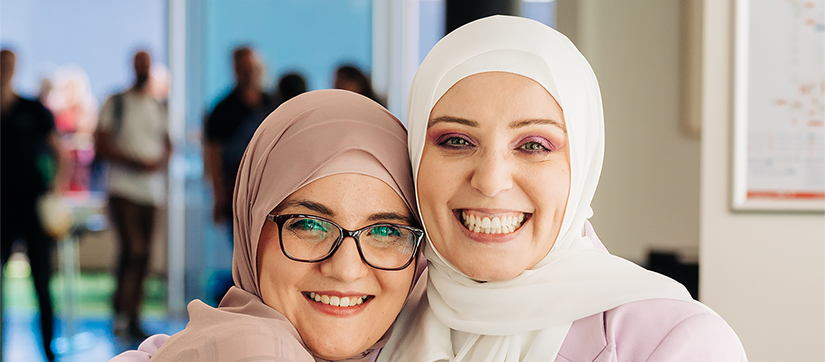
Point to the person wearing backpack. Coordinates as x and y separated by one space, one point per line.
132 137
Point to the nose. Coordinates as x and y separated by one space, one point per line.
346 264
492 174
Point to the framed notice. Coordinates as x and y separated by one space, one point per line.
779 110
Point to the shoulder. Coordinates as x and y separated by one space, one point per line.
653 330
215 333
670 330
240 340
33 105
218 121
227 103
41 115
109 103
144 352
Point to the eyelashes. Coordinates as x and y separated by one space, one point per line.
454 141
530 145
534 144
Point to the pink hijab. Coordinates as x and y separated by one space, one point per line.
311 136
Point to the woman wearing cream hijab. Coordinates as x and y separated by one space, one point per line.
325 243
506 140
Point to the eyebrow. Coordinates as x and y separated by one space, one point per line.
513 125
314 206
527 122
321 208
451 119
390 216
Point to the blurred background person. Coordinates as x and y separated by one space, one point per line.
290 85
75 114
246 99
349 77
29 160
132 137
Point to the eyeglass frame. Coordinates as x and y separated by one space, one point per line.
344 233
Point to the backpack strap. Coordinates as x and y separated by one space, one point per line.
117 115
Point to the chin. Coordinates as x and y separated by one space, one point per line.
491 267
493 275
334 354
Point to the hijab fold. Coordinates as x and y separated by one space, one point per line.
311 136
528 317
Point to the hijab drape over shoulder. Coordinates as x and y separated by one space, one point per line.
525 318
311 136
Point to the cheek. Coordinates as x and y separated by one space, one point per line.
278 276
271 276
395 287
549 188
433 185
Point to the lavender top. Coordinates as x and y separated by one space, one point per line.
651 330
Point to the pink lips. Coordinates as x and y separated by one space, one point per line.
337 311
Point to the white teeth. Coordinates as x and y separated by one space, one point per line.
497 225
336 301
485 223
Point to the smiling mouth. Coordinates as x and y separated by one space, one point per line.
341 302
492 224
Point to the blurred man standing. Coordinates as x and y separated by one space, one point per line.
246 100
132 136
29 160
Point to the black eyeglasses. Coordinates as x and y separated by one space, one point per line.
313 239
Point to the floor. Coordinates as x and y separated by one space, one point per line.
93 339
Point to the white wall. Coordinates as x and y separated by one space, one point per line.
763 272
648 196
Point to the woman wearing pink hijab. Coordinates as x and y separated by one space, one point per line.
326 248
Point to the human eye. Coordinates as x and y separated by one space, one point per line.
385 232
309 225
389 237
454 141
307 228
535 145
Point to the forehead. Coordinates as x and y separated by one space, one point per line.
350 196
497 95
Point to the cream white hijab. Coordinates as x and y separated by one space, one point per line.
528 317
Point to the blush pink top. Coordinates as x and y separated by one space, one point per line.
652 330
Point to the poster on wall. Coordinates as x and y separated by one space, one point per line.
779 155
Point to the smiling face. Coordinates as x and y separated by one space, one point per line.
290 287
494 175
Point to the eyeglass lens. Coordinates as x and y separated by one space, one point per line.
383 245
